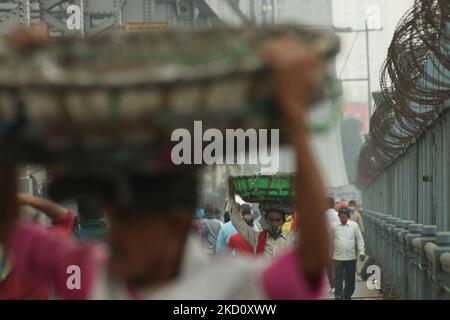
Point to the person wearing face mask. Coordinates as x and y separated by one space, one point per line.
271 241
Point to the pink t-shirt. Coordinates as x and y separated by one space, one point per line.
15 288
40 254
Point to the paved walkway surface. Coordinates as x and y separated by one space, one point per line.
362 292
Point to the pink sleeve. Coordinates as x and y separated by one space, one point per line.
43 256
64 224
284 279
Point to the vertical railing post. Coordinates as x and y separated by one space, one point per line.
382 239
411 275
439 276
390 225
403 259
424 285
397 256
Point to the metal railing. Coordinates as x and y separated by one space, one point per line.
414 258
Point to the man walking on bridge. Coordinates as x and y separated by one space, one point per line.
346 237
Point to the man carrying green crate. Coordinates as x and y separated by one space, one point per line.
271 241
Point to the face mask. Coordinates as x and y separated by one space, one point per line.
249 222
275 229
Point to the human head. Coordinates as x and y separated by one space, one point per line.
246 212
147 236
274 216
256 213
344 214
275 220
210 211
352 204
90 206
330 202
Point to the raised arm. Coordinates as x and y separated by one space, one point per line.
51 209
40 255
294 71
241 226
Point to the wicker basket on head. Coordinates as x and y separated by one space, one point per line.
114 100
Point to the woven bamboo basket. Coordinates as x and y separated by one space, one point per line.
115 99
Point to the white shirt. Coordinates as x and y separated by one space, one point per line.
274 247
332 216
202 277
345 240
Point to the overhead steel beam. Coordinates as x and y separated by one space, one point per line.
50 4
14 14
105 25
57 24
97 16
53 13
225 11
235 6
110 12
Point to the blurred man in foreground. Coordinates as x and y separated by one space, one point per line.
145 263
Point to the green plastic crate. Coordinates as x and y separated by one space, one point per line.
262 188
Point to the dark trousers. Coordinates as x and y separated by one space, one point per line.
344 273
330 274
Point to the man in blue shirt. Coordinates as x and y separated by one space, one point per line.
226 231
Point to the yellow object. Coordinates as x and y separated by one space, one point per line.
287 225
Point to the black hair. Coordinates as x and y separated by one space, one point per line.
352 202
344 210
90 206
275 206
246 209
143 194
